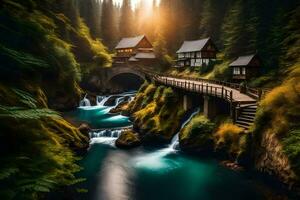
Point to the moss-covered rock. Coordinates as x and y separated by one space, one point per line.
156 113
197 135
128 139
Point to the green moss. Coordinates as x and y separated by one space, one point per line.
153 110
128 139
292 148
197 134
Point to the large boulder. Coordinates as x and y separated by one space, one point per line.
84 129
128 139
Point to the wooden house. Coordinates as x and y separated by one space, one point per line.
245 67
196 53
134 50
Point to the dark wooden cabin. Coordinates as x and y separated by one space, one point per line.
134 50
245 67
196 53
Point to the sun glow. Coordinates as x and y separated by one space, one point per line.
135 3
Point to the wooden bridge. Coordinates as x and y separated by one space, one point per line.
243 101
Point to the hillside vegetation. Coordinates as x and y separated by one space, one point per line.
157 112
43 45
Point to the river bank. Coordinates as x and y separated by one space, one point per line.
113 173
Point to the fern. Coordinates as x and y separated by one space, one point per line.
25 98
21 113
7 172
21 59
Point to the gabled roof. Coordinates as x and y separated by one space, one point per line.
192 46
129 42
243 60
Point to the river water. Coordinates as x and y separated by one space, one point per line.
148 173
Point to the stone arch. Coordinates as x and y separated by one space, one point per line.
124 70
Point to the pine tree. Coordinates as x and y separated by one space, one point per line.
126 20
108 23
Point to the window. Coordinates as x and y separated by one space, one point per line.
193 62
198 54
244 70
236 71
180 55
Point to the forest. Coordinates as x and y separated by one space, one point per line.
49 47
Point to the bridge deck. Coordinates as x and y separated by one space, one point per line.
207 87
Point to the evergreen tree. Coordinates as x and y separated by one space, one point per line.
108 23
126 20
231 30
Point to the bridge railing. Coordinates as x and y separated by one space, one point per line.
201 87
255 93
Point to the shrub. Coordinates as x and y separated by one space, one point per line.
197 134
279 116
230 138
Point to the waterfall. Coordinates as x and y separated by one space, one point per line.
108 133
175 140
85 102
107 136
119 100
101 100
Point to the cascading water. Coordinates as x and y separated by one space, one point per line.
102 115
175 140
85 102
101 100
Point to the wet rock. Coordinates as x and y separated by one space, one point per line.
84 129
119 109
232 165
128 139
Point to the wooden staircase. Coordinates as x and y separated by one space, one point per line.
246 115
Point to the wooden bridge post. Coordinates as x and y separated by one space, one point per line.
209 107
222 92
232 108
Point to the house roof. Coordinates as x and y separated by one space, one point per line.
129 42
192 46
243 60
145 55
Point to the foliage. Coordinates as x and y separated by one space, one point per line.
36 153
231 139
197 134
38 68
279 116
153 110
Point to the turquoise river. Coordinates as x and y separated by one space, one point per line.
151 173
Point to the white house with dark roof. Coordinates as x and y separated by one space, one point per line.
196 53
245 67
135 50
